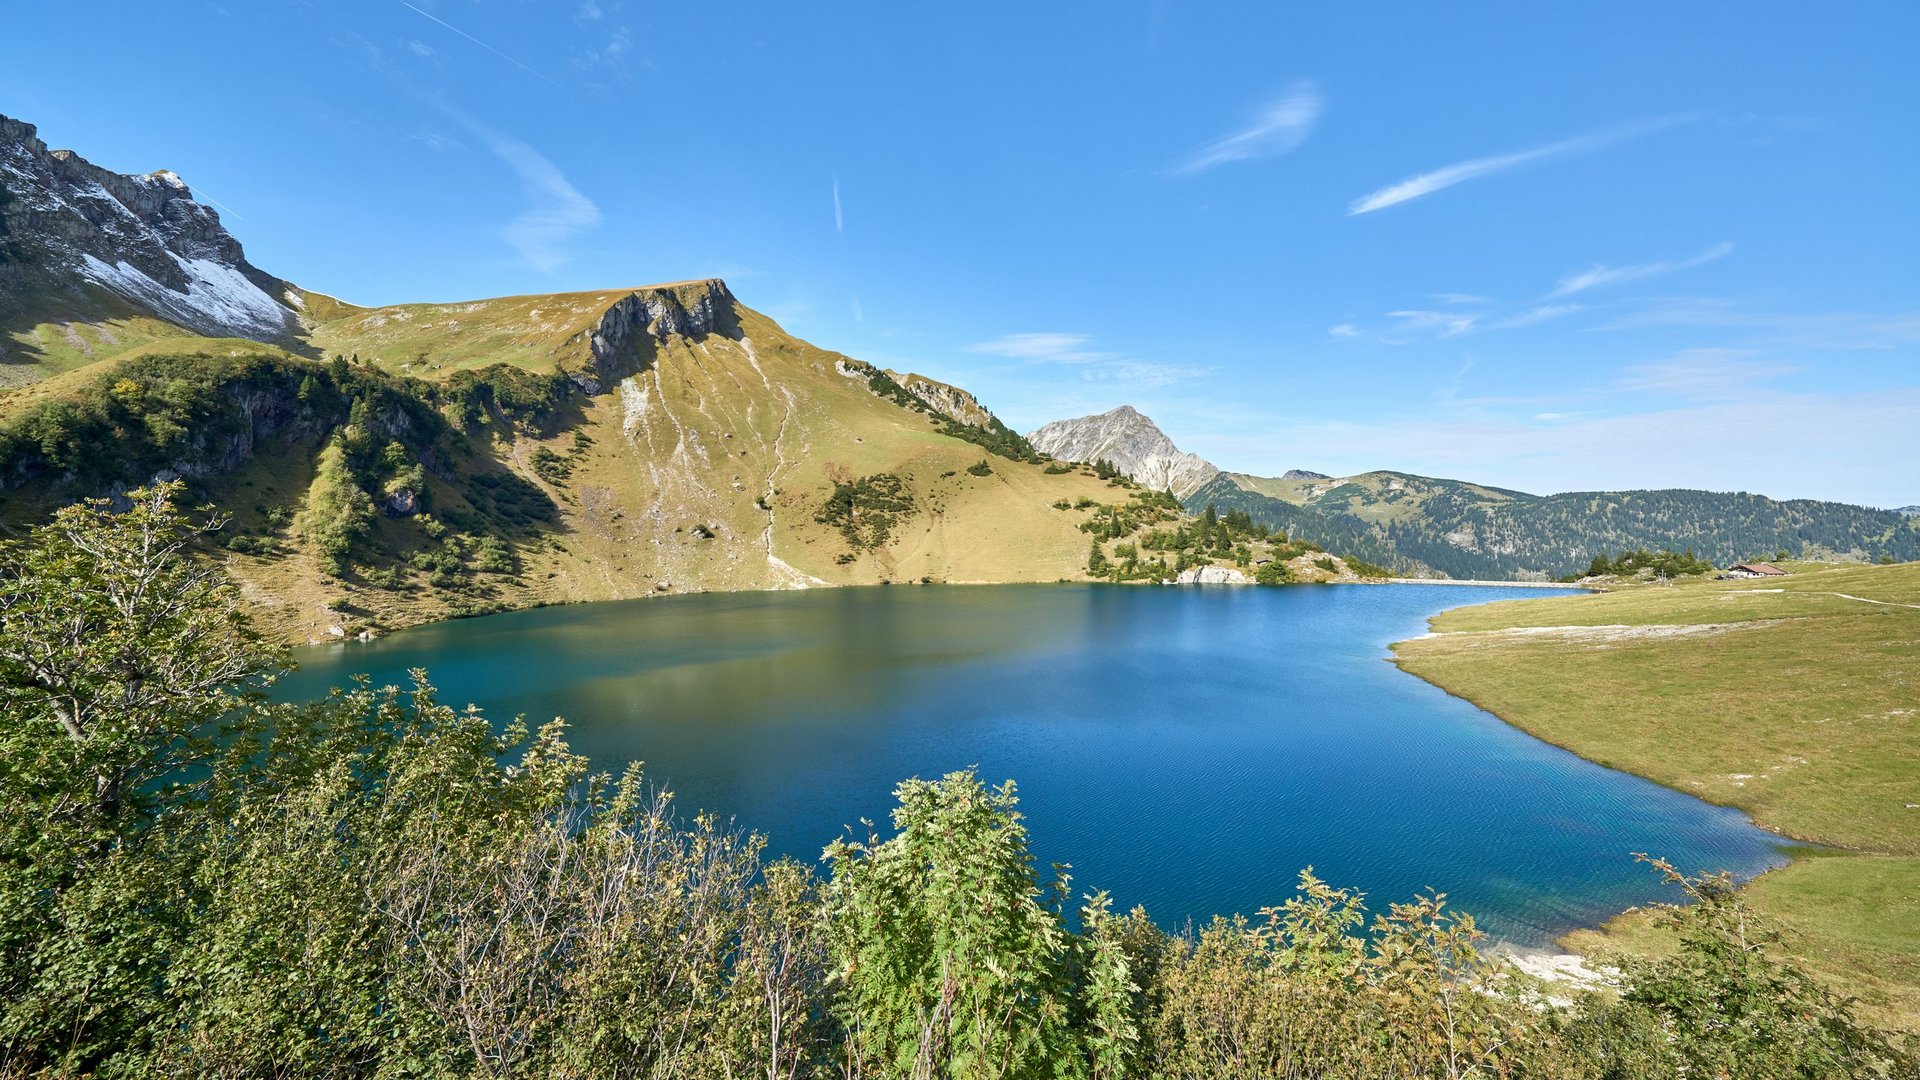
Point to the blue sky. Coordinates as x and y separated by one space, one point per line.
1640 244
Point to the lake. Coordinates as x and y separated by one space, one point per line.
1189 749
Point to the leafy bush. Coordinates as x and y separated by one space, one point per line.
866 510
1272 573
551 467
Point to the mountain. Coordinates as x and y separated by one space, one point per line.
1465 530
1909 511
1303 474
387 465
1132 443
128 257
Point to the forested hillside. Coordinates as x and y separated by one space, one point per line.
1470 531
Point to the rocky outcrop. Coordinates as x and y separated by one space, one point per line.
622 341
1304 474
1213 575
1134 445
144 238
947 400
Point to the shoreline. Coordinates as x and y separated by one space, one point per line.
1818 871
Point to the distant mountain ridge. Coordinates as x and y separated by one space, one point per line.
1423 525
1133 443
1464 530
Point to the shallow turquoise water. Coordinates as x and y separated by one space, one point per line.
1189 749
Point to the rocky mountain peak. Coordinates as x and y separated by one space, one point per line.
1133 442
1304 474
142 237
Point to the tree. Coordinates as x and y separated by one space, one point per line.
1096 560
119 656
118 652
952 958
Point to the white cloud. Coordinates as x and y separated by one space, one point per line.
1810 329
1461 298
610 56
556 213
1094 364
1447 323
1705 374
1429 182
587 12
1048 348
1279 128
859 313
1601 276
1345 329
1533 316
839 222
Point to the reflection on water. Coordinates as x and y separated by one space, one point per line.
1188 749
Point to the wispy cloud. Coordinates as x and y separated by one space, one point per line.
1462 298
1278 129
1601 276
1095 364
609 56
1429 182
509 59
1534 316
556 213
1420 324
839 221
1810 329
859 313
1049 348
1446 323
1701 374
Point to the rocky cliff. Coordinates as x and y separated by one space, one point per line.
67 225
1132 443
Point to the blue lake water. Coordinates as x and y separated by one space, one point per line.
1189 749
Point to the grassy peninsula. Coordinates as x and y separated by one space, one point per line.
1793 699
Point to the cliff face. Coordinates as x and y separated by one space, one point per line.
640 321
65 223
1134 445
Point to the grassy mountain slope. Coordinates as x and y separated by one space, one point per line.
47 332
545 449
1791 698
1469 530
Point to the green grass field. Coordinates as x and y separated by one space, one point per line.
1795 699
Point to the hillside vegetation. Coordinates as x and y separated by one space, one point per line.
1464 530
196 883
617 446
1795 699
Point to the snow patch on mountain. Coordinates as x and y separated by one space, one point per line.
216 296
